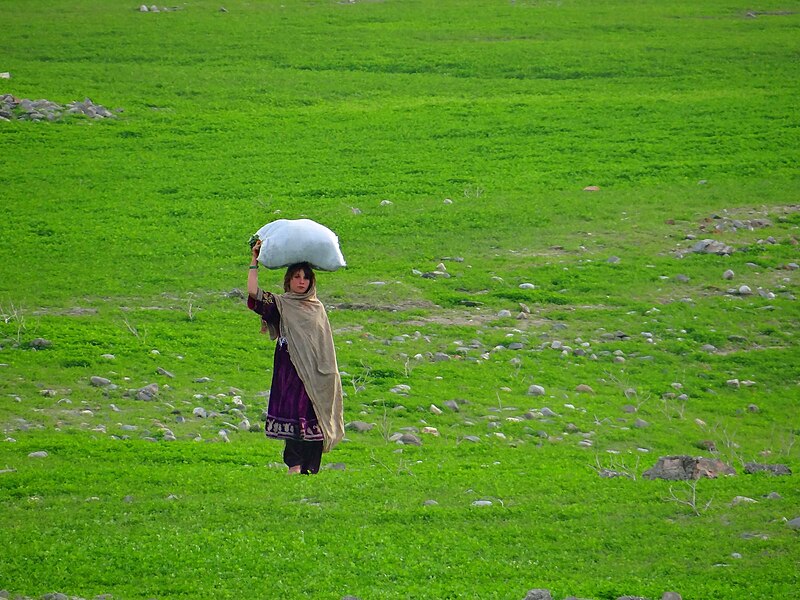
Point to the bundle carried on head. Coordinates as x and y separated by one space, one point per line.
286 242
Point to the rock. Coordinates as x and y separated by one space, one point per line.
440 357
430 503
728 275
538 594
38 454
165 373
40 343
613 260
584 389
200 412
742 500
482 503
359 426
744 290
409 439
97 381
681 468
752 408
794 523
515 346
777 469
452 405
431 431
527 286
148 392
504 313
641 424
435 409
536 390
202 380
709 246
547 412
629 408
588 188
471 438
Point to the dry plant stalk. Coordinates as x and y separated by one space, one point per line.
691 498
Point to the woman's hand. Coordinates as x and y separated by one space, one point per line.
256 250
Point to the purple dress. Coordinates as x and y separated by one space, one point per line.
290 414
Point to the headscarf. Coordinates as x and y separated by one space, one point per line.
304 323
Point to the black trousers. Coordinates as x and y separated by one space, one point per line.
308 455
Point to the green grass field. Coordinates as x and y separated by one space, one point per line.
123 242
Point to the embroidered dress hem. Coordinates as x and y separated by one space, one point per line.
291 430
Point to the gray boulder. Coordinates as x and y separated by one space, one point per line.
682 468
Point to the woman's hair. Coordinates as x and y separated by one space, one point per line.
306 268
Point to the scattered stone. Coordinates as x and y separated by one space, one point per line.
452 405
504 313
527 286
97 381
752 408
584 389
430 503
546 412
435 409
707 445
408 439
482 503
165 373
431 431
709 246
728 275
202 380
359 426
46 110
540 594
147 392
40 343
472 438
794 523
777 469
200 412
536 390
629 408
613 260
682 468
641 424
588 188
744 290
708 348
742 500
38 454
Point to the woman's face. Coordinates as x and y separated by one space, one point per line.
299 282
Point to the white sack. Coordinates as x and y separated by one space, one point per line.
285 242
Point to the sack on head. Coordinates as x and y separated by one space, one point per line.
286 242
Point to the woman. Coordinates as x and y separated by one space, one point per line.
305 401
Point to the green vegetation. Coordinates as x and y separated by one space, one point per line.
481 123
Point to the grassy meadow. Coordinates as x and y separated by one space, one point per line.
426 134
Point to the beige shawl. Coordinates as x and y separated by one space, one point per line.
305 325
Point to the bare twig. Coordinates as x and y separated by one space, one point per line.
691 498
